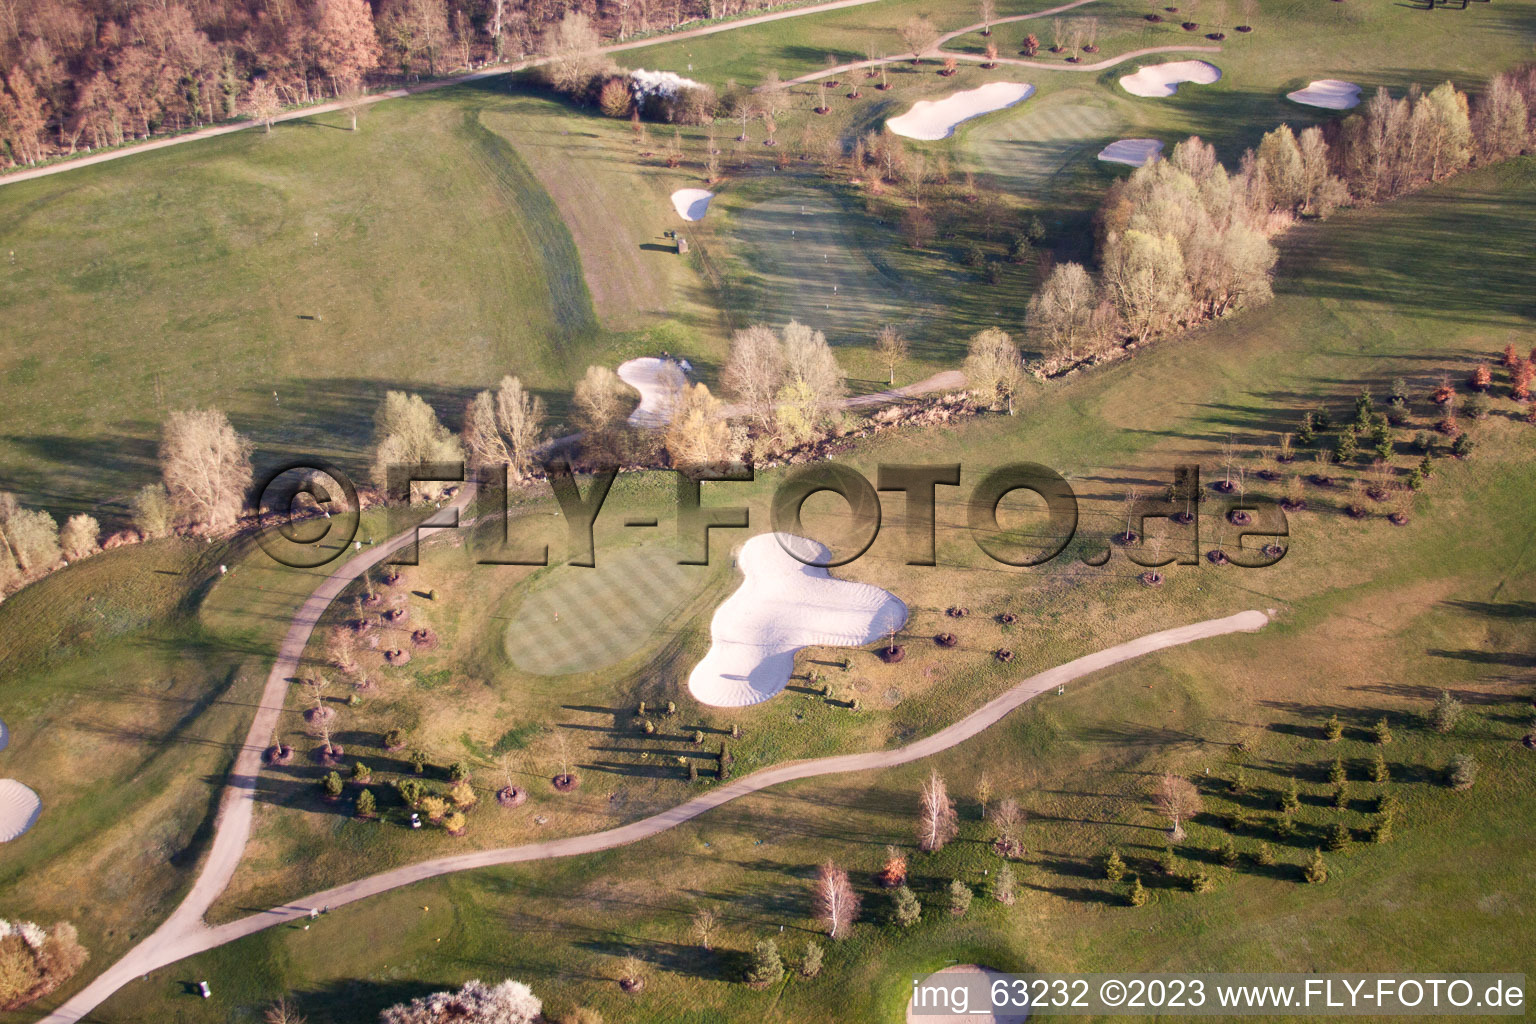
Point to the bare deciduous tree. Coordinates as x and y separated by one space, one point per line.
79 537
206 467
919 34
510 1002
1177 800
482 438
406 433
754 369
892 349
520 417
572 46
1066 316
699 434
809 359
705 921
262 102
1008 819
993 369
283 1012
837 905
937 821
600 397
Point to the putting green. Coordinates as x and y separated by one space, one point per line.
581 620
1046 140
804 261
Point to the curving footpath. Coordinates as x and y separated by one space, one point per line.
214 131
184 934
937 51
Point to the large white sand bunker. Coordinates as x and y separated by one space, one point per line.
1131 151
930 120
781 606
691 203
967 986
1328 93
1164 79
19 808
660 382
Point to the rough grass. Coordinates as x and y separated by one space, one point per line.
321 265
1372 621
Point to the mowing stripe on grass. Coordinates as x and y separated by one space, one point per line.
604 614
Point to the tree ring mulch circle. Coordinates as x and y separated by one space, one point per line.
1245 28
1190 26
956 612
373 600
397 656
511 796
822 110
892 655
278 753
1215 37
883 86
391 578
1007 618
1530 740
397 615
1224 486
1376 493
632 985
1357 511
1268 475
328 759
1152 579
1216 556
362 625
1321 480
833 84
424 637
1293 506
1272 550
1184 518
1238 517
946 639
1154 18
1003 654
565 783
1126 537
315 716
1397 519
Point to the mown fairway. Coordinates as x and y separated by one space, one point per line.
1399 613
315 263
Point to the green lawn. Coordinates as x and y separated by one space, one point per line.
1372 621
319 265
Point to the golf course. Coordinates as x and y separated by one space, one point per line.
1203 642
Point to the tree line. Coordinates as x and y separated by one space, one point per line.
89 73
1184 240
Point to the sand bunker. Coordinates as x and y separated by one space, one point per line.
1131 151
781 606
1329 93
19 808
930 120
691 203
659 382
977 982
1164 79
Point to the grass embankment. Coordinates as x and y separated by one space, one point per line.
1373 620
288 279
